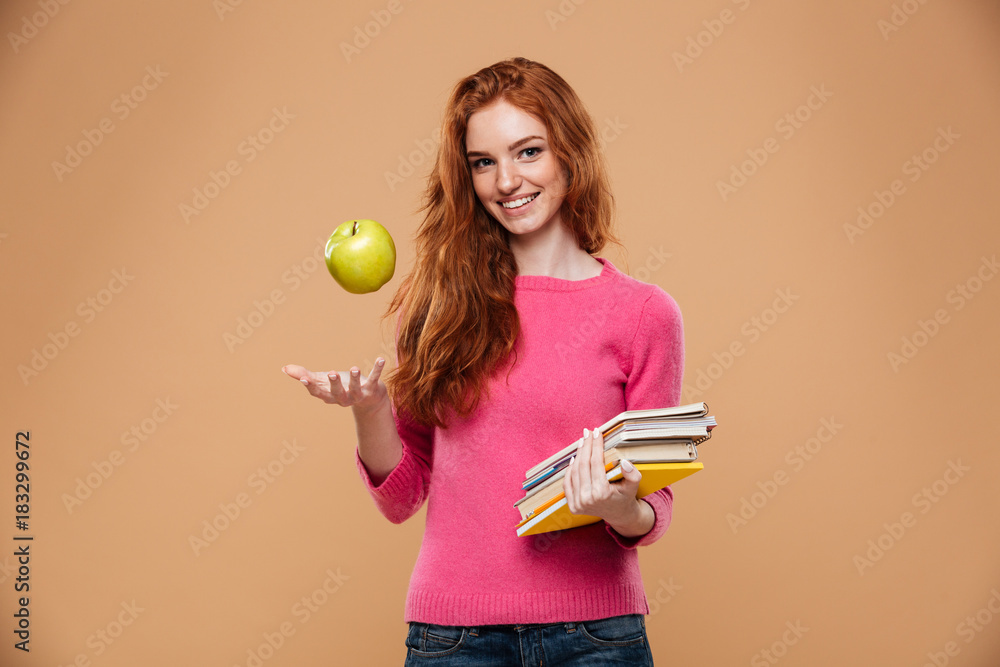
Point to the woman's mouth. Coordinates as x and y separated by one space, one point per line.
518 203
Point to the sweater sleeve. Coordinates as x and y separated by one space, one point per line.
404 491
655 366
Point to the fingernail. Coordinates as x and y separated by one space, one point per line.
381 362
305 381
585 433
627 465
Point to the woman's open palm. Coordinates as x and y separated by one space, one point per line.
333 387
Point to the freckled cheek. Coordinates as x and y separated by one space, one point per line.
482 191
544 177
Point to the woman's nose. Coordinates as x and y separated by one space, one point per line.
508 177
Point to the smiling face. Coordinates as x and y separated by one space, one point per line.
516 175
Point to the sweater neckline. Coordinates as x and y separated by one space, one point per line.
548 283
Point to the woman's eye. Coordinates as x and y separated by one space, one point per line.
531 152
481 162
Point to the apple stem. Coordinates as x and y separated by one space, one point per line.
355 228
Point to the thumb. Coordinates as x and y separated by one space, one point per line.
630 473
295 372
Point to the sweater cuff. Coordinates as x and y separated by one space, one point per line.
401 480
662 502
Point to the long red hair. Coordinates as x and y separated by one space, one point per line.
458 323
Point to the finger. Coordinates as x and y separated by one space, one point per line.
568 489
630 473
575 499
376 370
337 390
584 473
302 375
631 479
573 475
354 384
313 387
603 487
628 485
293 371
314 383
306 377
600 477
580 454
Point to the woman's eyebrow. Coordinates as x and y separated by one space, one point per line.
510 148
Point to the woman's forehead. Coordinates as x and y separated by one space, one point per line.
501 122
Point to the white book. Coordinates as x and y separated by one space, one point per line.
691 411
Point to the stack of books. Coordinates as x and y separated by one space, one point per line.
661 443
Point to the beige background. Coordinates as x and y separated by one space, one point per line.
722 592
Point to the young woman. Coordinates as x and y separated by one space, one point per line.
512 339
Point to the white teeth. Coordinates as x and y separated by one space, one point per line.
518 202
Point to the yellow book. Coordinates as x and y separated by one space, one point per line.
555 515
546 493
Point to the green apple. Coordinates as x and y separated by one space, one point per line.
361 256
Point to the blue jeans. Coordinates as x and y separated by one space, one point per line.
620 640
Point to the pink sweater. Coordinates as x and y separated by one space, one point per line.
589 349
